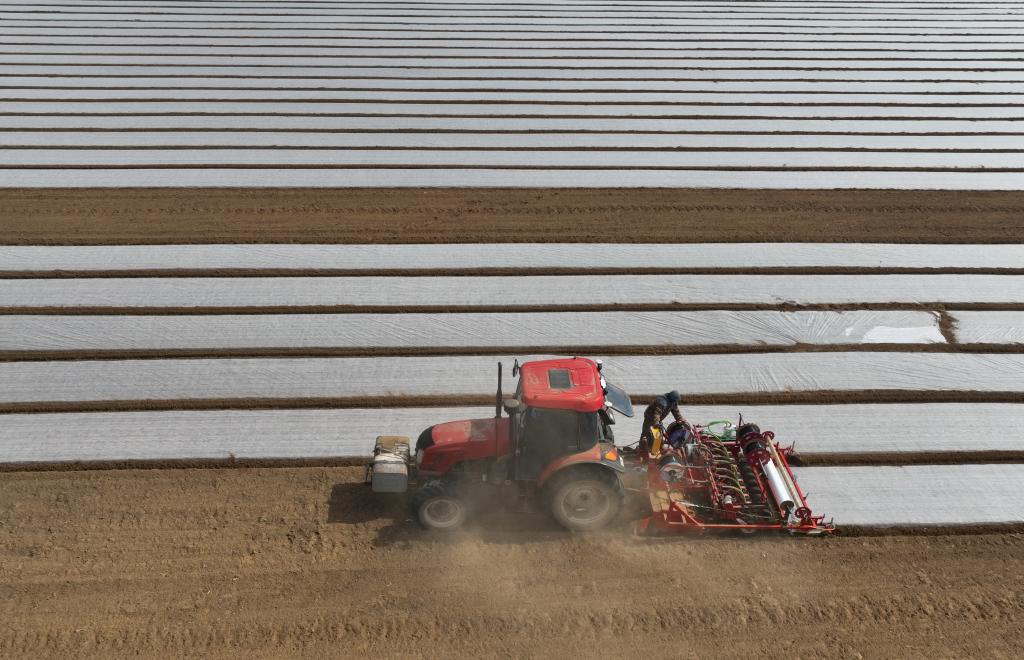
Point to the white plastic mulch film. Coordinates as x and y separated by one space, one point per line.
813 429
988 327
563 95
397 331
91 177
509 291
918 494
113 380
584 256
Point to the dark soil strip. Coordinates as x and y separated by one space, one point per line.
947 326
511 58
932 530
300 147
341 22
874 46
559 41
128 19
549 116
539 131
184 464
488 67
906 458
86 216
818 4
750 399
538 6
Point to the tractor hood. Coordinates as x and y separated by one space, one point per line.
469 432
444 445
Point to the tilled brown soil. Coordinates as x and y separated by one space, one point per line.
215 215
289 562
302 561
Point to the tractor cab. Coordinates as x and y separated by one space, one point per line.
563 412
555 449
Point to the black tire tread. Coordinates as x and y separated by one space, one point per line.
606 475
430 490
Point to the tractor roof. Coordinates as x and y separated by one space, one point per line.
564 384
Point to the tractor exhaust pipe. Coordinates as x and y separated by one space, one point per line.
498 399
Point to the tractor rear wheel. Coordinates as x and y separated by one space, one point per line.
438 506
585 500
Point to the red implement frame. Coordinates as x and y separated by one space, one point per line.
717 486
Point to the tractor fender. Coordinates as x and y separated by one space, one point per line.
604 455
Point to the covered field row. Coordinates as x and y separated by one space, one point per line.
707 75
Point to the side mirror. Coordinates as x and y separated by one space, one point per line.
511 405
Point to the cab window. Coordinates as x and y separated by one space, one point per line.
552 434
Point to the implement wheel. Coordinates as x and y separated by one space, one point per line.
438 507
585 500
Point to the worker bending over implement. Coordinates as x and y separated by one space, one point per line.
656 413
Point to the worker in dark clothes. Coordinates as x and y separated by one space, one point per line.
656 413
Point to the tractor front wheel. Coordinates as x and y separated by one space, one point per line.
438 507
585 500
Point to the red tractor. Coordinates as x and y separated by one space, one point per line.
554 450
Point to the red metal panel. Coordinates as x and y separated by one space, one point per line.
584 394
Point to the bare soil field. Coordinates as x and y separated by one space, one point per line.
282 562
405 215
